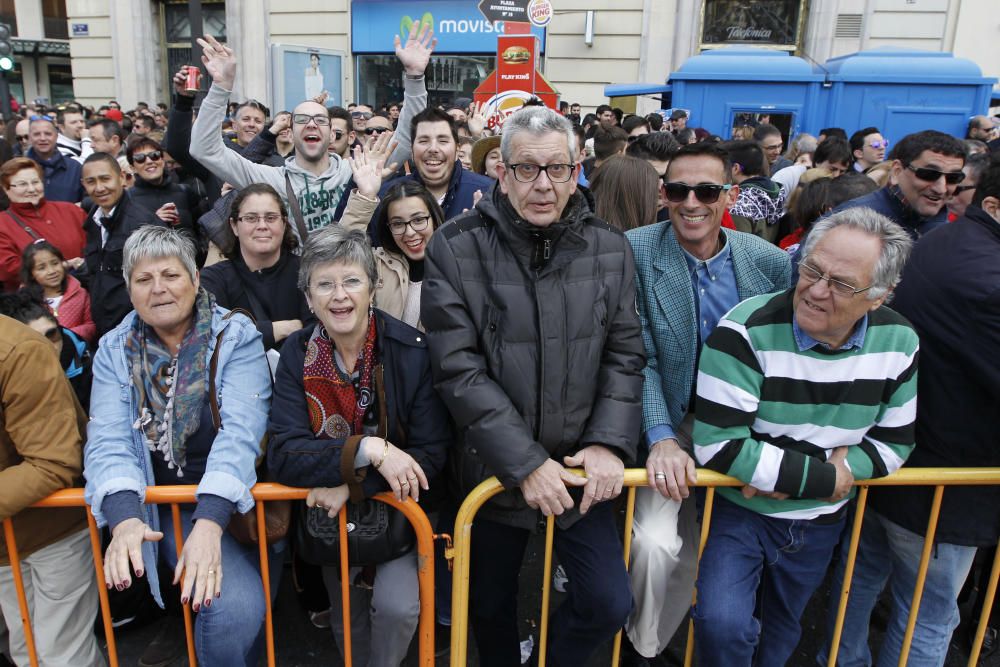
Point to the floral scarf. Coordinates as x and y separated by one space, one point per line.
338 407
170 390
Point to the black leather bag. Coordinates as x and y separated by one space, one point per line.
376 532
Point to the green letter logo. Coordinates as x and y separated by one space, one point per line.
406 24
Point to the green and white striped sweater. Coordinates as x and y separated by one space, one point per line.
769 414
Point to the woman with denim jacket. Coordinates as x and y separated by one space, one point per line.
151 424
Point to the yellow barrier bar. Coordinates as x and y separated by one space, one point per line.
543 637
845 590
706 521
984 615
175 495
918 589
616 647
22 600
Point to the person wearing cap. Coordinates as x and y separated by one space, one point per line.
679 119
486 156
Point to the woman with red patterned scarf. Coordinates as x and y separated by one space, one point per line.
357 372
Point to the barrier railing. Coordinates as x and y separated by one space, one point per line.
263 493
936 477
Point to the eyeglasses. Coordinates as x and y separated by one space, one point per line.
528 173
140 158
375 131
964 188
417 224
338 134
706 193
321 120
812 275
351 285
253 218
879 145
27 184
932 175
363 115
53 334
22 137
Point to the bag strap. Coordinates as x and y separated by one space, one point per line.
20 223
352 477
293 204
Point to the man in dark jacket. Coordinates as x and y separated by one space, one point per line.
435 158
62 174
114 218
950 294
529 305
926 167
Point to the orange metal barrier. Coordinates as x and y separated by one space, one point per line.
936 477
262 493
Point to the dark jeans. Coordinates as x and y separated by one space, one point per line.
598 602
750 554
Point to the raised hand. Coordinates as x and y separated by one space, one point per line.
477 119
366 166
219 60
282 122
416 55
321 98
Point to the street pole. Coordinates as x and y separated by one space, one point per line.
4 96
197 30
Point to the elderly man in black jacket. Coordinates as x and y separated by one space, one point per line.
529 305
950 291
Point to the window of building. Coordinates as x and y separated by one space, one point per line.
380 78
60 83
176 34
764 22
8 16
55 19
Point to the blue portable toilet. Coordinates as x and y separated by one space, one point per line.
897 90
901 91
720 85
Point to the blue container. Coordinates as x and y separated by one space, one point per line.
897 90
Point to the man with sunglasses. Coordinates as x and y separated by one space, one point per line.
529 305
800 393
868 147
690 272
926 168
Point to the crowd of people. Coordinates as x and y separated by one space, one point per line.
393 297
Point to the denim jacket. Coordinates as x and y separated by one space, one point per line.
116 457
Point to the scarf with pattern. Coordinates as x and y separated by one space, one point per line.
338 407
170 390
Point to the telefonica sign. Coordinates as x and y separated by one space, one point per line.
457 24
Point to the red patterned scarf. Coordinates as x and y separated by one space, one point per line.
337 404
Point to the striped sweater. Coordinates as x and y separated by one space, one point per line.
769 414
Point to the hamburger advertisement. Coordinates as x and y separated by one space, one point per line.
515 80
515 55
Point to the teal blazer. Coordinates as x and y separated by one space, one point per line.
665 301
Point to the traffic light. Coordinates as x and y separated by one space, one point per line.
6 49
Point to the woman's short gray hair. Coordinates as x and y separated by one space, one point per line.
896 244
155 242
333 245
536 120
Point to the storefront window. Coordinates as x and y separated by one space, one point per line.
764 22
380 78
177 33
60 83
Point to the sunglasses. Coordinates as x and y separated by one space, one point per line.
22 137
706 193
932 175
140 158
879 145
377 130
364 115
42 117
963 188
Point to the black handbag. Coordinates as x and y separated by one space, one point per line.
376 532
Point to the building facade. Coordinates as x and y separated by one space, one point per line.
128 49
40 32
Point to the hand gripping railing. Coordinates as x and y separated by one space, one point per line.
936 477
262 493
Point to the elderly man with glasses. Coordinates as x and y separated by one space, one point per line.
690 272
926 168
529 305
799 394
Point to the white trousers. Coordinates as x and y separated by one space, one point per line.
663 563
62 601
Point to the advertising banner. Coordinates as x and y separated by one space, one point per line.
458 25
515 80
754 22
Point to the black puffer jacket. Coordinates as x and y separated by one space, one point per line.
535 343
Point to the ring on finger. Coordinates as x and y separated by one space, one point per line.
660 475
211 571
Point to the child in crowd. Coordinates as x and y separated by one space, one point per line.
44 275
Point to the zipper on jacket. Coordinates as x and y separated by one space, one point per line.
542 251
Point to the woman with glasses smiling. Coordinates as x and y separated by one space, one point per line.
358 385
32 217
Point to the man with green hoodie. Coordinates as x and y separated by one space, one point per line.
320 181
